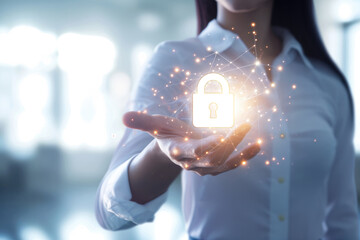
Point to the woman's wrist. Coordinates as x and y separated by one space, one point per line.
158 156
151 173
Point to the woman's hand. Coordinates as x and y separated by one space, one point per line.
186 146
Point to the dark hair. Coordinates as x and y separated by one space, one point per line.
298 16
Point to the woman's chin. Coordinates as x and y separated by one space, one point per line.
241 6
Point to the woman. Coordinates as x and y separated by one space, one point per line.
294 123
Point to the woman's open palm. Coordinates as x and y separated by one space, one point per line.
188 148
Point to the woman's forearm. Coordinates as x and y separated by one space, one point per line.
151 173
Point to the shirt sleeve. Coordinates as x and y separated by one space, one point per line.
342 216
114 208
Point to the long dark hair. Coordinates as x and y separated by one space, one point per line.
298 16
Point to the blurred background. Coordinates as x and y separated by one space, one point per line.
66 72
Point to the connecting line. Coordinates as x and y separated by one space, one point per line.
235 59
213 61
181 107
213 53
236 67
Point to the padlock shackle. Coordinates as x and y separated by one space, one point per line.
213 77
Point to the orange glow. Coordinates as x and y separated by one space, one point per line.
175 151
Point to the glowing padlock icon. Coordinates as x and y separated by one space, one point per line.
213 109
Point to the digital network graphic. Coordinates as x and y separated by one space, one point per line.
218 91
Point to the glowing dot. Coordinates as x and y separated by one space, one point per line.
197 60
187 73
259 141
267 162
222 139
268 119
162 97
175 151
294 86
243 163
267 91
155 132
254 32
176 69
274 109
208 48
186 139
186 93
206 152
280 68
145 111
252 70
315 140
171 75
273 85
182 83
274 158
257 62
253 24
173 50
186 165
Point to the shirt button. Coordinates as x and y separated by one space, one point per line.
281 218
282 136
281 180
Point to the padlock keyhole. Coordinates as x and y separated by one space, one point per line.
213 108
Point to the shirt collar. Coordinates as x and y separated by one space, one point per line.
291 44
218 39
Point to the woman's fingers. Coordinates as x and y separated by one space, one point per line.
141 121
226 144
205 145
245 155
202 167
237 135
158 125
221 152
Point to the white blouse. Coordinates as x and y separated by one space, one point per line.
301 184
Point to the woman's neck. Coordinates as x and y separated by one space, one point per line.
251 25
